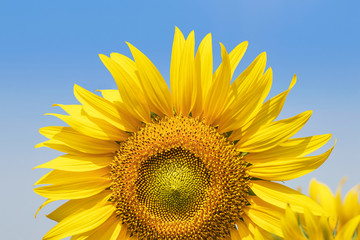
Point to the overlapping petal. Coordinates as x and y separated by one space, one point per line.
69 137
292 148
80 222
273 134
156 91
78 163
130 92
96 128
283 196
78 205
282 169
100 108
215 99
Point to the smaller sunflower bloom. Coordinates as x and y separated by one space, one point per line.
342 221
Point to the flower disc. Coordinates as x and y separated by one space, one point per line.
172 184
178 178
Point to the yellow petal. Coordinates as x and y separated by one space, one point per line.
281 196
100 108
272 134
177 49
349 229
249 224
65 177
245 81
216 98
242 108
234 234
128 65
75 190
351 205
296 147
154 86
76 163
78 205
79 141
204 73
235 56
59 146
264 114
131 94
312 226
322 194
290 226
340 213
111 95
85 126
80 222
43 205
187 84
258 235
265 215
283 169
109 230
80 236
243 231
124 234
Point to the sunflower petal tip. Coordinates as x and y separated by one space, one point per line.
129 44
223 50
39 145
77 88
102 56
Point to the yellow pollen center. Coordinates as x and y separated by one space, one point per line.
172 184
178 178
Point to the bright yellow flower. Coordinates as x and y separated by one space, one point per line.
197 161
341 221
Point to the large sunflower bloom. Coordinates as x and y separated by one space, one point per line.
196 162
341 222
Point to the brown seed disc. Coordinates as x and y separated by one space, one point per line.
178 178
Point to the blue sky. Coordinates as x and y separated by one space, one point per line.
47 46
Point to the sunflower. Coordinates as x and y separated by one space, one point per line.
341 222
197 161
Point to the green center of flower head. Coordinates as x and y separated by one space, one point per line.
172 184
178 178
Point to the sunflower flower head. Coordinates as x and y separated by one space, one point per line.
341 221
196 161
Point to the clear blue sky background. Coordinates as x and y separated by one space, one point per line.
47 46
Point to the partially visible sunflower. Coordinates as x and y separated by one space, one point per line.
341 221
198 162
